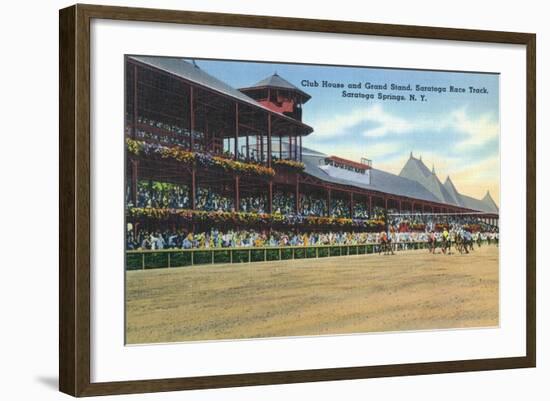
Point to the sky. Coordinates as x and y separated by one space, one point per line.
457 133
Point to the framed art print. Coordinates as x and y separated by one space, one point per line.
252 200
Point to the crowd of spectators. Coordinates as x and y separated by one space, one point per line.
160 195
311 205
284 203
154 194
340 208
209 200
360 210
245 238
175 134
183 239
430 222
178 135
253 204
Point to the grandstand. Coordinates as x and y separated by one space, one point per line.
201 153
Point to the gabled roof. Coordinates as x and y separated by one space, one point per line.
489 201
192 72
416 170
417 187
276 81
451 189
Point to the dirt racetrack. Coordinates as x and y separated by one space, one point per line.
412 290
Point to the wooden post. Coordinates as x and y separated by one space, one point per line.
191 118
193 188
247 149
300 148
280 147
135 116
261 148
297 195
237 194
236 145
206 139
370 206
269 140
270 197
328 202
289 147
134 183
351 205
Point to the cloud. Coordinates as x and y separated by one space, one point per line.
472 131
386 123
379 151
335 125
478 130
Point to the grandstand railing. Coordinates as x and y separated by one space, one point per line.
167 258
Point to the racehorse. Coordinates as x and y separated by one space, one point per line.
385 244
464 242
432 242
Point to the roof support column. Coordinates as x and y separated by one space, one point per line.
280 147
297 194
270 197
269 140
300 148
350 204
262 147
370 206
329 201
236 145
247 149
134 181
206 139
289 147
135 112
237 194
193 188
192 118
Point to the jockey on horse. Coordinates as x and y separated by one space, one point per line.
431 241
445 241
385 243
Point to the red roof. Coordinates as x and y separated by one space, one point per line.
349 163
